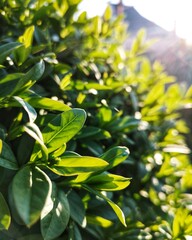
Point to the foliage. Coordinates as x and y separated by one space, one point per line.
72 102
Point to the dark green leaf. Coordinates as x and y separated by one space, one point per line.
55 220
116 208
5 217
7 48
30 188
30 77
7 158
77 208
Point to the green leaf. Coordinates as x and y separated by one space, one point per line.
7 158
47 103
22 53
8 84
77 208
62 128
116 208
54 222
6 49
100 221
74 165
5 217
107 14
31 237
28 108
39 150
108 182
115 156
30 78
30 188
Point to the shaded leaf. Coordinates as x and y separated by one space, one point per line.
30 188
116 208
7 158
5 217
77 208
54 222
7 48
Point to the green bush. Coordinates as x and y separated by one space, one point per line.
72 102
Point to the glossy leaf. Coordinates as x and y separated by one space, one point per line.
74 165
28 108
47 103
30 188
62 128
5 216
7 158
108 182
39 150
54 222
115 156
115 207
30 77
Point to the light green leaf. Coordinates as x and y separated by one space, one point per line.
5 217
54 222
39 150
99 221
115 156
22 53
7 158
108 182
7 48
107 13
74 165
62 128
30 188
116 208
47 103
28 108
27 37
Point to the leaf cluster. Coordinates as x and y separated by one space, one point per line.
80 117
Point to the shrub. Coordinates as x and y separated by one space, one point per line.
73 102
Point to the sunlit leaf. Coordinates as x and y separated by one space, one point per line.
62 128
28 108
74 165
108 182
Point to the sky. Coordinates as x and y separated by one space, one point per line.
169 14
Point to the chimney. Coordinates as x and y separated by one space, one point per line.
120 7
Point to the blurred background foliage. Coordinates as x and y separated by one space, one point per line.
129 101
